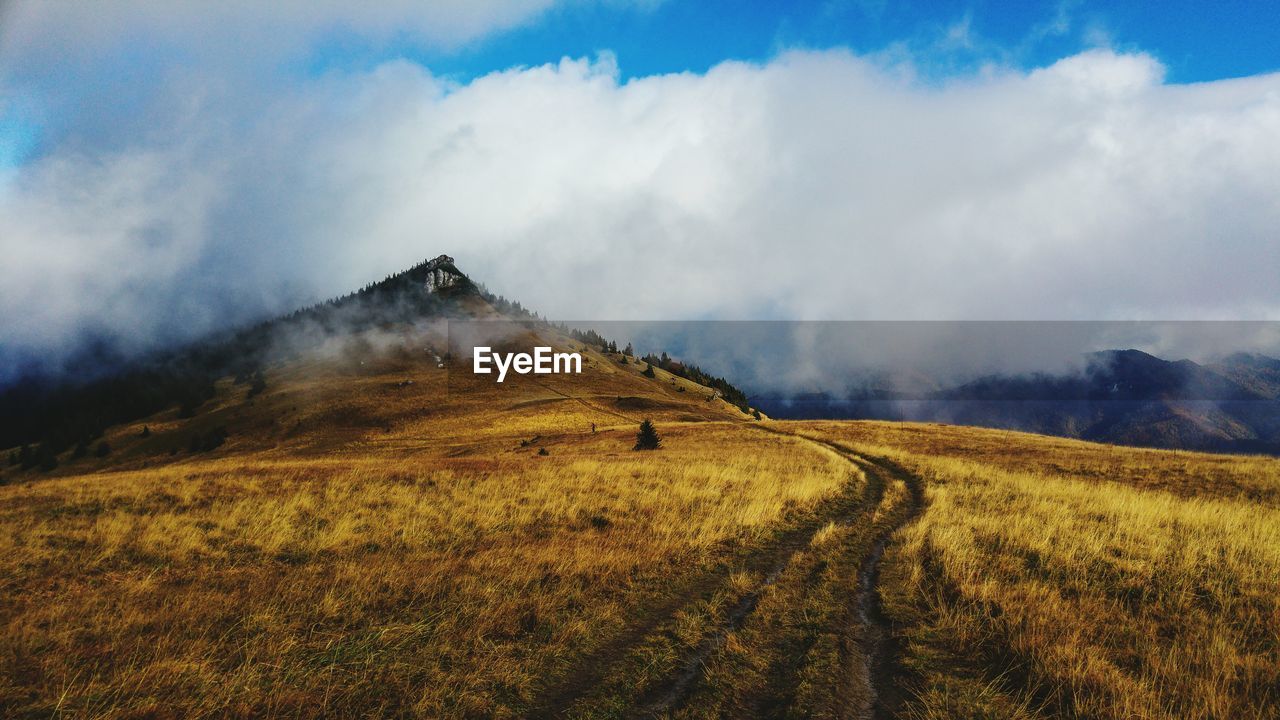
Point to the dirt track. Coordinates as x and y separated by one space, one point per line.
868 664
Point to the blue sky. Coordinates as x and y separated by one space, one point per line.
1195 40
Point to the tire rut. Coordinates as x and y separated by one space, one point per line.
772 560
876 669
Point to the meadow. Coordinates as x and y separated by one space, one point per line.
426 586
378 538
1055 578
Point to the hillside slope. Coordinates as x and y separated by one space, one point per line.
366 369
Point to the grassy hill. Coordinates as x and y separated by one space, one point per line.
381 533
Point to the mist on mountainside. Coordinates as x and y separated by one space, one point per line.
66 405
1104 381
1061 378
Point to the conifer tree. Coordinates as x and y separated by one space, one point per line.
647 438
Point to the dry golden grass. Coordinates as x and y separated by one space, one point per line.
800 652
367 546
421 585
1054 578
1183 473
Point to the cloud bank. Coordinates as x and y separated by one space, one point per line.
818 185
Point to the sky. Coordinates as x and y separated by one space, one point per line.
171 168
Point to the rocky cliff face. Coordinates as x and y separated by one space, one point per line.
442 273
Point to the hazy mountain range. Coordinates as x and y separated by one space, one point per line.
1122 396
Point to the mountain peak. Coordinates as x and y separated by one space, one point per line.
438 276
1131 355
442 273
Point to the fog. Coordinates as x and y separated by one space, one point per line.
911 358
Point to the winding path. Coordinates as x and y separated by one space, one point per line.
871 671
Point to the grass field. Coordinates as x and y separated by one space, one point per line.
382 539
428 585
1053 578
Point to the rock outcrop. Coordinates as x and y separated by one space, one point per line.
442 273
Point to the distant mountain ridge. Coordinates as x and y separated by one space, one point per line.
1122 396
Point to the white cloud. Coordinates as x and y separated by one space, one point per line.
817 185
74 27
